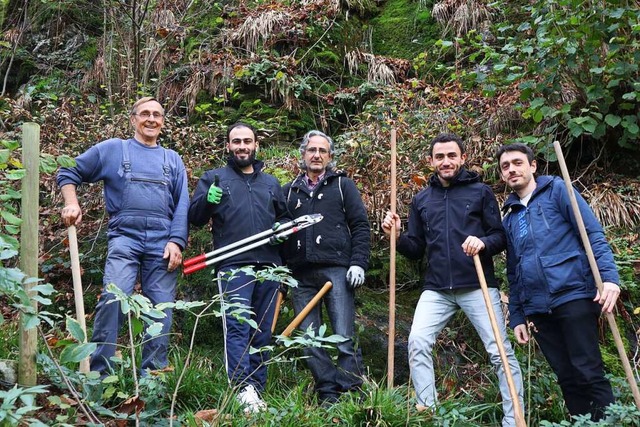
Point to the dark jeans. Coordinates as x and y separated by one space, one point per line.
244 368
568 337
339 302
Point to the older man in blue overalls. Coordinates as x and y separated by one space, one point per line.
146 197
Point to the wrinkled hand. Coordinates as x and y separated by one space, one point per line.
472 246
276 239
610 293
215 194
355 276
521 333
172 252
389 220
71 214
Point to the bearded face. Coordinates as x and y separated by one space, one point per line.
242 147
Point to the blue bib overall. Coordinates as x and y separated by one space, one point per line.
137 237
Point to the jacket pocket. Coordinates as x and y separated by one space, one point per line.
563 271
336 241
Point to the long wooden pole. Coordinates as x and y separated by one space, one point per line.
596 273
77 289
392 269
300 317
517 409
29 244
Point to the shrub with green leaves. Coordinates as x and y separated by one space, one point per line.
576 65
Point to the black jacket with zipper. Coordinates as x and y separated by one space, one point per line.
440 220
250 204
343 237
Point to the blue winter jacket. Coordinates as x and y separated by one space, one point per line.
250 204
546 262
440 220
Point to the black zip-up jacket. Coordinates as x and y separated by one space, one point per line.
343 237
250 204
440 220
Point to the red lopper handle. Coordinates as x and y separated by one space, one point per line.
193 268
194 260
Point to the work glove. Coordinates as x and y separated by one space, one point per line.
275 239
215 193
355 276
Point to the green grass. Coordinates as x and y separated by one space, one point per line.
466 400
9 340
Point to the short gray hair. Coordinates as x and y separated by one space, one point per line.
305 142
134 108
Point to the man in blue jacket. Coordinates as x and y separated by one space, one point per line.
551 284
240 201
146 197
336 250
452 220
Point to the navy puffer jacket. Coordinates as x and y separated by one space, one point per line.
343 237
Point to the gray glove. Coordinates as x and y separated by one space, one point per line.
355 276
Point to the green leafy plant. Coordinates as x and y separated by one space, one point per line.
17 403
615 415
576 67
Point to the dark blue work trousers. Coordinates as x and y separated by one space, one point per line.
568 338
244 368
136 246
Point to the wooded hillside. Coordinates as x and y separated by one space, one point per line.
491 71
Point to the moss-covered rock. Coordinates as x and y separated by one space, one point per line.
403 29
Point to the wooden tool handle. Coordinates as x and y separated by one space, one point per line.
77 288
300 317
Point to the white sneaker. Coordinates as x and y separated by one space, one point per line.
251 401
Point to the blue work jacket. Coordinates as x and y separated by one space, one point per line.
546 262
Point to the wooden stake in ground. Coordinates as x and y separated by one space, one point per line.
596 273
517 409
300 317
392 269
29 245
77 289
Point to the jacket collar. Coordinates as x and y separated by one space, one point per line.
464 177
299 182
542 182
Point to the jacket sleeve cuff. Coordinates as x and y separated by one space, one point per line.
611 278
362 265
516 320
179 241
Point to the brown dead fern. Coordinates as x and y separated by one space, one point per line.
615 208
461 16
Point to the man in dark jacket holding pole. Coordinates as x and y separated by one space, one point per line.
240 201
452 220
336 250
551 284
